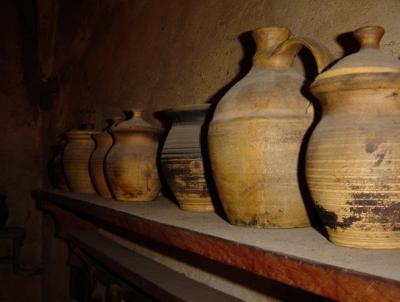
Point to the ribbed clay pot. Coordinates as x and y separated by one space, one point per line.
256 134
104 141
182 157
131 162
352 164
76 160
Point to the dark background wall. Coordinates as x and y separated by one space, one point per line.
64 62
21 160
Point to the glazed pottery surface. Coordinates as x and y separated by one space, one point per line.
104 141
352 164
76 160
256 134
182 157
131 162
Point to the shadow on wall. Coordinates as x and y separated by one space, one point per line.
245 64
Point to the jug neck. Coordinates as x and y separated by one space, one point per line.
275 51
267 39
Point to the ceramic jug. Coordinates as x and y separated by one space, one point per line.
131 162
256 134
104 141
76 160
182 157
352 163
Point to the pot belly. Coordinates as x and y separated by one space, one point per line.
254 164
132 173
354 178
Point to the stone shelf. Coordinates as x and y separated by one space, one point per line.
302 258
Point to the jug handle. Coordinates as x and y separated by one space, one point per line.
285 53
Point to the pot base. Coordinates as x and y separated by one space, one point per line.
362 239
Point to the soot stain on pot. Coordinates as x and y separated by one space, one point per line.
379 159
254 221
387 214
348 221
184 180
372 208
330 219
370 147
367 199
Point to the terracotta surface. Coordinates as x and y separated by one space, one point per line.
104 141
76 158
183 156
352 158
131 168
256 133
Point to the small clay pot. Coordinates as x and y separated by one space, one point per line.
182 157
104 141
131 162
76 160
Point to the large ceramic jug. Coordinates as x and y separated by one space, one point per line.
104 141
131 162
353 158
182 157
256 134
76 160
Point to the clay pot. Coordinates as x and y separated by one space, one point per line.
131 162
352 165
256 134
104 141
182 157
56 169
76 160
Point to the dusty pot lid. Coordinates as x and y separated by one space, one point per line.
369 59
135 124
